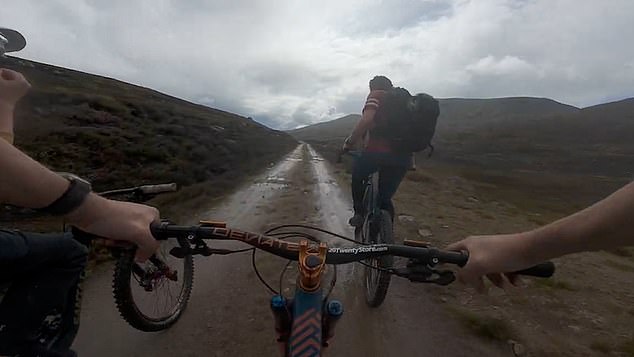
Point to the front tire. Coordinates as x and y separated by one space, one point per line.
132 299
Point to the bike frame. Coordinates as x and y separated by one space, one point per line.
306 328
371 206
306 323
298 322
370 201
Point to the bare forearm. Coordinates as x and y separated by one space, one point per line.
25 182
607 224
362 126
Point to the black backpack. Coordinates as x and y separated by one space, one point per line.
407 122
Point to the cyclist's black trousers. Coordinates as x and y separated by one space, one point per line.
392 167
39 278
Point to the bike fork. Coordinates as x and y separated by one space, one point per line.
283 312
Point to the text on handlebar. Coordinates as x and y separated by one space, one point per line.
357 250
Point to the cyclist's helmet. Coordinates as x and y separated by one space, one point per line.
380 83
10 41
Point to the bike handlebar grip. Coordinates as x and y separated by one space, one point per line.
159 230
543 270
453 257
153 189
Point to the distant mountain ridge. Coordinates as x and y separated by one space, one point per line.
461 110
520 133
484 111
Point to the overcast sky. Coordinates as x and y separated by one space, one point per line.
288 63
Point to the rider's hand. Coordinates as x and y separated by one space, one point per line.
13 86
116 220
347 145
493 256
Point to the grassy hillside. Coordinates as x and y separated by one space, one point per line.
526 134
118 134
592 141
473 113
331 129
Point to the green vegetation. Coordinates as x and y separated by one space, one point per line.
553 283
117 134
419 176
484 326
601 346
619 266
628 347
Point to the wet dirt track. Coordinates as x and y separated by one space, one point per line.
228 311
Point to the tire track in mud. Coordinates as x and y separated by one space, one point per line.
228 312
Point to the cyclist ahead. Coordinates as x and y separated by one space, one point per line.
378 154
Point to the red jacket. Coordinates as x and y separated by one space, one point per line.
374 144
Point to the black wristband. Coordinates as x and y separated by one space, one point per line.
74 196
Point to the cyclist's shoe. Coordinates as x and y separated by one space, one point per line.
356 220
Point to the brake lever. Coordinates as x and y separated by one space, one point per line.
421 273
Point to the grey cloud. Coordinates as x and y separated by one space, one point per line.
301 117
284 77
268 121
352 103
394 15
292 63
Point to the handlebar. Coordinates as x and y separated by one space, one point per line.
335 255
154 189
143 190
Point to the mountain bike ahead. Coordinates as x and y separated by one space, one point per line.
377 228
304 323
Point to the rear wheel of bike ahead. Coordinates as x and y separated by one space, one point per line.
377 282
